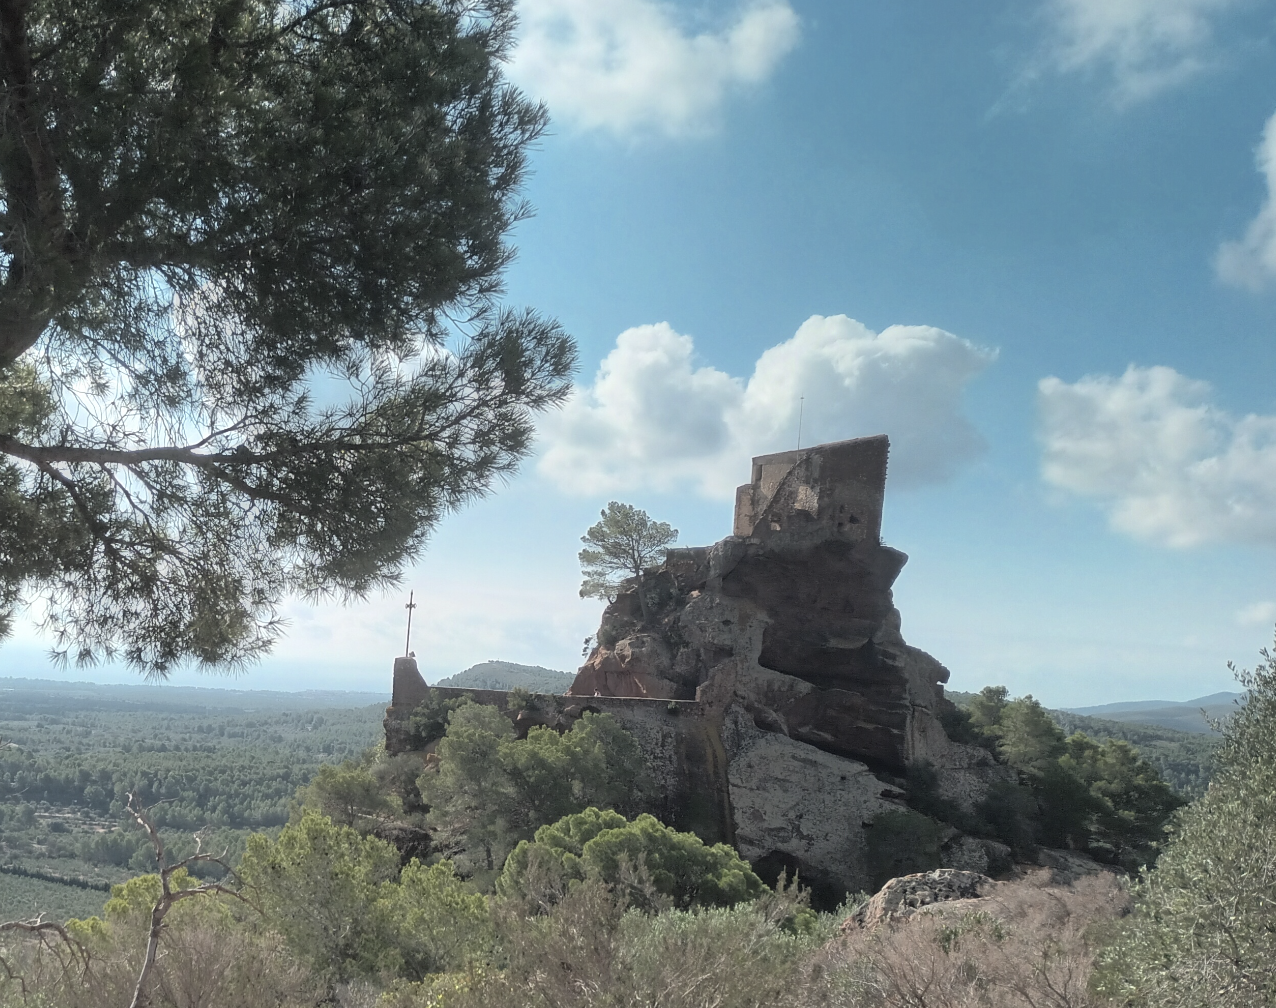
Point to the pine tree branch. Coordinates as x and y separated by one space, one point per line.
34 194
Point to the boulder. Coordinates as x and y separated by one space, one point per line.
907 895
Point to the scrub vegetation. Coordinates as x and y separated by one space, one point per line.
554 893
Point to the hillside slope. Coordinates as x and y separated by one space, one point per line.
1186 716
503 675
1184 759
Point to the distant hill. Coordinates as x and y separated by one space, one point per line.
1184 759
47 695
1185 716
503 675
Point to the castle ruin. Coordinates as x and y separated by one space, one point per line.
769 687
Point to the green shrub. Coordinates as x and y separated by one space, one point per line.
604 846
592 950
520 699
1073 792
428 720
436 922
351 795
1131 805
318 884
491 790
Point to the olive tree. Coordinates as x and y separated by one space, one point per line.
1203 930
251 338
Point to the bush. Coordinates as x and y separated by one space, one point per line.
213 951
592 950
491 790
1132 806
428 720
346 910
437 923
1024 945
318 885
1102 798
351 795
603 846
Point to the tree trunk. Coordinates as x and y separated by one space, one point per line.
152 947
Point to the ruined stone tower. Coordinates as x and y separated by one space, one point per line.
776 701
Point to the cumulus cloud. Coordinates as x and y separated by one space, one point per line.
1170 467
655 419
1251 261
1147 46
1258 614
630 66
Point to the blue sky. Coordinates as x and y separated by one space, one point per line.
1063 208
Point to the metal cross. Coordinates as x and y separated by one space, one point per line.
407 643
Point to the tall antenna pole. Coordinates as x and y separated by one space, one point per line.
801 410
407 641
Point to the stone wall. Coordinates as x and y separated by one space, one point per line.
682 746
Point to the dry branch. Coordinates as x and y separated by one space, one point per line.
168 895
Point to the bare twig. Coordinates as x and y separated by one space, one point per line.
45 932
168 895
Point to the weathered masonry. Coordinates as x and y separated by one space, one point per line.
769 687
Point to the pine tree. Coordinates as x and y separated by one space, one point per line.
622 545
250 336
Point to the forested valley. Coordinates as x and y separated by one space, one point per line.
224 760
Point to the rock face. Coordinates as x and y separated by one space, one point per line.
803 707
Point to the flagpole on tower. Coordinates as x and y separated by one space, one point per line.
407 642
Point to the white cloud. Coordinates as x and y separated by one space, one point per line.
1170 467
1258 614
629 66
1147 46
1251 261
653 419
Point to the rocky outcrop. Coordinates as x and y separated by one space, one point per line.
791 618
1067 867
410 840
799 809
787 636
